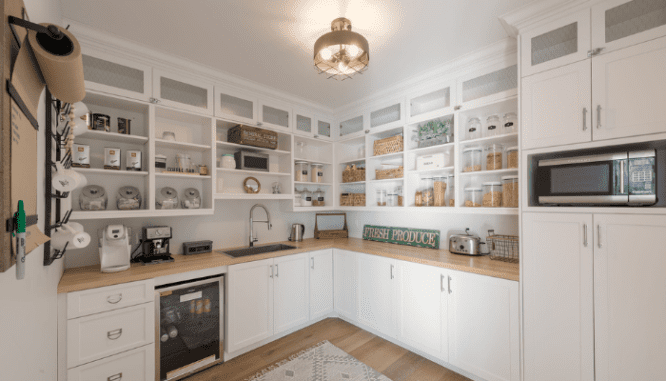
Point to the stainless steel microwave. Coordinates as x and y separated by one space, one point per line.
622 178
253 161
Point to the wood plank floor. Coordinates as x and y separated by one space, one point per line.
394 362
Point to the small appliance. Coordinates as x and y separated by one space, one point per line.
468 244
252 161
297 231
197 247
155 245
620 178
115 248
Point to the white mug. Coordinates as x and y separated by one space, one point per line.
66 180
71 232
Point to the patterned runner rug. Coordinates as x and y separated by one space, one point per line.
323 362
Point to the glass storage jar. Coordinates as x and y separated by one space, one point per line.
427 191
381 197
492 126
317 171
398 193
472 159
492 194
439 190
298 197
451 190
391 199
473 197
510 123
228 161
307 198
301 172
494 157
473 128
510 191
512 157
318 198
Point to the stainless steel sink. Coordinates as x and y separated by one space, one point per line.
258 250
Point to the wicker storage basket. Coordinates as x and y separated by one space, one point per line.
394 173
352 199
503 247
385 146
353 174
253 136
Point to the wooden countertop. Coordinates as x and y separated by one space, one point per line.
83 278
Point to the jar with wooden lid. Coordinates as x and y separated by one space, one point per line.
317 171
301 172
510 191
439 190
492 194
512 159
494 157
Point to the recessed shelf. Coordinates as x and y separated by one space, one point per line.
112 137
250 148
257 173
488 173
255 196
512 138
101 171
181 175
311 183
313 161
174 144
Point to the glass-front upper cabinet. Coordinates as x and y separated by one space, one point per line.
387 117
323 129
235 105
432 104
487 86
352 127
274 115
115 75
559 43
620 23
303 123
175 90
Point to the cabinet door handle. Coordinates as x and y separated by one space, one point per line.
391 271
598 116
599 236
276 271
441 282
115 334
585 235
115 377
450 291
367 131
312 261
110 299
584 118
270 276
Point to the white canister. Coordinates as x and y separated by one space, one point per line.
228 161
133 162
80 156
111 158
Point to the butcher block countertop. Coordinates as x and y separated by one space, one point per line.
84 278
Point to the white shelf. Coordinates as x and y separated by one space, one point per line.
489 173
352 183
313 161
311 183
352 161
181 145
387 180
506 138
101 171
181 212
387 156
313 208
101 214
250 148
257 173
451 168
436 148
254 196
181 175
112 137
482 210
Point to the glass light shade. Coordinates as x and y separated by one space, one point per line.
341 53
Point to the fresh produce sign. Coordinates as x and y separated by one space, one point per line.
402 236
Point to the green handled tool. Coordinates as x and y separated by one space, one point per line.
19 218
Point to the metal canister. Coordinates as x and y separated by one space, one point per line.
133 162
124 126
101 122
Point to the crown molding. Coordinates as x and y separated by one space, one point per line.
519 19
137 52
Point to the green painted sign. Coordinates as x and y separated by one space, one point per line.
402 236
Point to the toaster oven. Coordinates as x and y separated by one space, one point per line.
253 161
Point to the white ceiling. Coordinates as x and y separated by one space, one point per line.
271 41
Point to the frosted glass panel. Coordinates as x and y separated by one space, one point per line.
183 93
324 129
430 102
275 116
236 106
352 125
634 17
385 115
112 74
555 44
303 123
489 84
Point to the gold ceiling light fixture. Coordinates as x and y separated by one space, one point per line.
341 53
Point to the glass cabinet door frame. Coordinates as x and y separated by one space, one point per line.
278 106
208 86
383 105
491 98
435 113
315 128
599 29
365 127
227 90
294 122
146 69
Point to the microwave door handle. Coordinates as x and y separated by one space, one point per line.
621 176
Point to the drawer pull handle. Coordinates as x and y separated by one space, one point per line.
115 377
115 334
110 299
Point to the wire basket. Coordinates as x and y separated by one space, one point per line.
503 247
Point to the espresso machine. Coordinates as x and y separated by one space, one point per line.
155 245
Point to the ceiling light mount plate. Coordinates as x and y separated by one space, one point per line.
341 53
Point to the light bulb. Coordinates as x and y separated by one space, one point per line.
353 50
342 67
326 54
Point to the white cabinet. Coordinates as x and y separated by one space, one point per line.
558 316
353 126
291 286
81 303
484 326
303 123
421 310
620 23
628 91
177 91
388 116
489 85
275 115
556 44
136 365
630 297
323 129
321 283
345 283
375 299
556 107
250 304
432 104
115 75
235 105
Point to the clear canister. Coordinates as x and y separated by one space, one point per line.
472 159
473 197
381 197
439 190
512 157
298 197
492 194
427 191
317 171
307 198
473 128
391 199
510 123
301 172
451 190
494 157
492 126
510 191
318 198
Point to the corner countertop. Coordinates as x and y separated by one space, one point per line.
88 277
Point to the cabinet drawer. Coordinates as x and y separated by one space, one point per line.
135 365
92 337
82 303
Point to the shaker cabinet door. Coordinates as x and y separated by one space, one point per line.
617 24
177 91
321 283
291 303
345 285
376 293
111 74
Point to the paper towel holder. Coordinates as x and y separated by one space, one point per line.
51 30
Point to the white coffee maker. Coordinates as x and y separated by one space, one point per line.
115 248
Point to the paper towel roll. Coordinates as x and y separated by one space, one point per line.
61 64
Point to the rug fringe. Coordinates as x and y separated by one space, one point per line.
282 362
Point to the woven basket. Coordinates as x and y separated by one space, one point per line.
353 175
385 146
394 173
253 136
352 199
